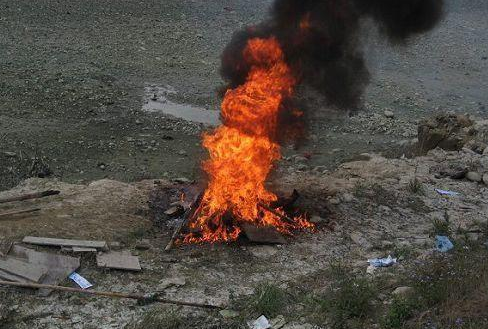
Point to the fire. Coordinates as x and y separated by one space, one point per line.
242 150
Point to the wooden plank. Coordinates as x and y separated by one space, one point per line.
119 261
65 242
32 272
29 196
262 234
83 249
59 266
9 214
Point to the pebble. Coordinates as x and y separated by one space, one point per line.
403 291
389 114
473 176
318 220
143 244
485 179
347 197
335 201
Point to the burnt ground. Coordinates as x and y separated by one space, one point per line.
72 77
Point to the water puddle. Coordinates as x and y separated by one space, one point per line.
156 100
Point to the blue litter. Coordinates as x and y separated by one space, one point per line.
442 243
445 192
382 262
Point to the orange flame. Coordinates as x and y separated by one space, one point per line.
242 150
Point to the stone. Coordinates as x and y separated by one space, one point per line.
334 201
485 179
263 251
359 239
300 159
318 220
403 291
143 244
347 197
389 114
485 151
171 282
474 176
228 314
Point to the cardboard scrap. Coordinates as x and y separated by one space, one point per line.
119 261
65 242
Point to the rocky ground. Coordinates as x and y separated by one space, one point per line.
73 75
368 208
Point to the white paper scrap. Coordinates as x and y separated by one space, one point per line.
260 323
81 281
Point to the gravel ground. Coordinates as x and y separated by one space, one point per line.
72 78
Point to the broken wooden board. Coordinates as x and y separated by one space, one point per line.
58 266
262 234
65 242
24 269
119 261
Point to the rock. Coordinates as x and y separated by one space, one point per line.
359 239
181 180
318 220
474 176
143 244
320 169
263 251
485 179
302 167
115 245
300 159
347 197
389 114
278 322
182 152
403 291
171 282
335 201
10 154
485 151
447 131
228 314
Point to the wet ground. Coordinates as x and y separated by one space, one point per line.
74 79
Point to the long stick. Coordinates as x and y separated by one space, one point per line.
276 213
17 212
108 294
29 196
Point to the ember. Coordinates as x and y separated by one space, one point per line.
243 151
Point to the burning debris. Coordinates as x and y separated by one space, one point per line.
312 43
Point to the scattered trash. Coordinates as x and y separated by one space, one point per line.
442 243
79 280
382 262
445 192
260 323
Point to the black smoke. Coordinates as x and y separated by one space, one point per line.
326 54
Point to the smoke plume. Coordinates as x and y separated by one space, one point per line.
320 39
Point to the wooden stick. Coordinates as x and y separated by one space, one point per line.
186 217
30 196
276 213
109 294
18 212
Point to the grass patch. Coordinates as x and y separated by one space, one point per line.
348 300
416 187
159 318
400 310
441 227
269 300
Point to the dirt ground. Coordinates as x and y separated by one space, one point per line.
72 78
74 81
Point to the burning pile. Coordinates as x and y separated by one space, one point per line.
305 42
243 150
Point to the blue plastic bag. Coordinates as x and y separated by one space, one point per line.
442 243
